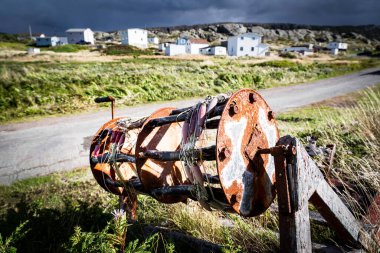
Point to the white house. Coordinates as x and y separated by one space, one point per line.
153 40
134 37
174 49
337 45
163 46
302 49
193 46
50 41
248 44
80 36
217 50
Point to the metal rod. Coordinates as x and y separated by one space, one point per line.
113 108
181 110
133 183
212 123
211 179
110 158
181 117
177 190
190 191
167 120
205 154
107 99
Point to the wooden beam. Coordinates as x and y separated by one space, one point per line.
303 182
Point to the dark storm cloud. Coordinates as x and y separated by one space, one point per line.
53 16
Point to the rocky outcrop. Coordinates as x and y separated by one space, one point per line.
282 33
286 33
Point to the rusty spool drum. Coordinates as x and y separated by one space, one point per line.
102 171
247 178
158 174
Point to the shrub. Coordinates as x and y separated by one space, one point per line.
68 48
288 55
127 50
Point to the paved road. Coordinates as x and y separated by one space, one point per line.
54 144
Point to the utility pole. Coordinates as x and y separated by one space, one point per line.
30 32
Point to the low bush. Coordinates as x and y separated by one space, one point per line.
127 50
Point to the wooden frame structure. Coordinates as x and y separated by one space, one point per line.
299 181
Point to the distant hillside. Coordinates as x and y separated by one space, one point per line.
372 32
286 33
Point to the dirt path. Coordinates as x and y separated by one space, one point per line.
54 144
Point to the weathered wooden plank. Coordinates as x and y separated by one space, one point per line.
306 182
295 235
335 212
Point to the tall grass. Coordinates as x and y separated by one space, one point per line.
43 88
68 48
356 132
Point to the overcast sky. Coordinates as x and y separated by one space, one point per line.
55 16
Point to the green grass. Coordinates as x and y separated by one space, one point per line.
68 48
48 88
12 46
354 127
69 212
128 50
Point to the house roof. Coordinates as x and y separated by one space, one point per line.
73 30
198 41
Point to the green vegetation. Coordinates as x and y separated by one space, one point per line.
7 37
12 46
69 212
353 125
128 50
45 88
288 55
13 42
68 48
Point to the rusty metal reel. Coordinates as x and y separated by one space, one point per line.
247 178
102 170
154 173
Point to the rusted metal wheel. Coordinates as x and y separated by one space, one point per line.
154 173
247 178
103 171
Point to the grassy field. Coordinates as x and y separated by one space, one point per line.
29 89
69 212
69 48
128 50
12 46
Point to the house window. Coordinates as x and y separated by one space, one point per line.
252 49
241 49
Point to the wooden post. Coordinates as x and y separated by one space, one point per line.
298 180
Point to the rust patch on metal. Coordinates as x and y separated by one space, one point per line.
102 171
154 173
247 178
